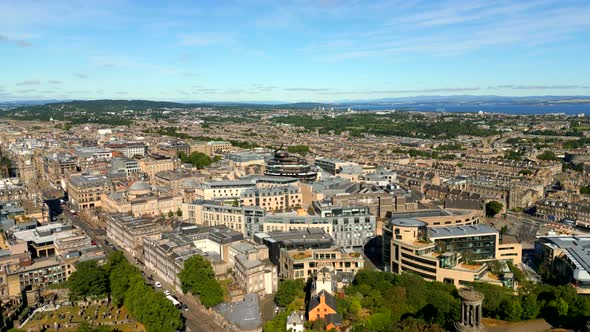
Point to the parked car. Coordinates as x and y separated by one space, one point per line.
166 292
158 284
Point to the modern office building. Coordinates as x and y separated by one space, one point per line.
284 164
125 166
451 254
441 217
350 227
332 166
567 258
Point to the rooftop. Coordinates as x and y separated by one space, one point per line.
406 222
452 231
245 314
577 249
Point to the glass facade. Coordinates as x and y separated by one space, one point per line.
473 248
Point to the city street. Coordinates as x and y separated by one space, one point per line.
195 319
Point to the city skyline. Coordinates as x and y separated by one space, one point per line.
291 51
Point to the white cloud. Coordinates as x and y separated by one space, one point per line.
31 82
456 27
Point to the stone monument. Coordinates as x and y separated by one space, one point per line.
471 312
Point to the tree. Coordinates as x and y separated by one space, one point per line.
197 159
547 155
170 214
504 230
530 307
179 212
310 210
585 190
88 280
301 149
511 309
318 325
288 291
493 208
200 160
197 276
525 172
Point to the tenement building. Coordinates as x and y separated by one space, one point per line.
152 166
302 264
84 191
253 270
310 238
246 220
273 198
166 254
556 210
128 232
57 166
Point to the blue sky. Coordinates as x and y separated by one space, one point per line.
304 50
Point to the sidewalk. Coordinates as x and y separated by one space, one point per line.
197 319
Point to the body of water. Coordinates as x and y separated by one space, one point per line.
569 109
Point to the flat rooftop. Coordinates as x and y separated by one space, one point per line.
457 231
577 249
407 222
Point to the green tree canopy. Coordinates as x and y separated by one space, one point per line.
301 149
88 280
493 208
197 276
288 291
547 155
197 159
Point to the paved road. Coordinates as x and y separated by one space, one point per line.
195 320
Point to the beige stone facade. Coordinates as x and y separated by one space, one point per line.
153 166
85 191
141 200
302 264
